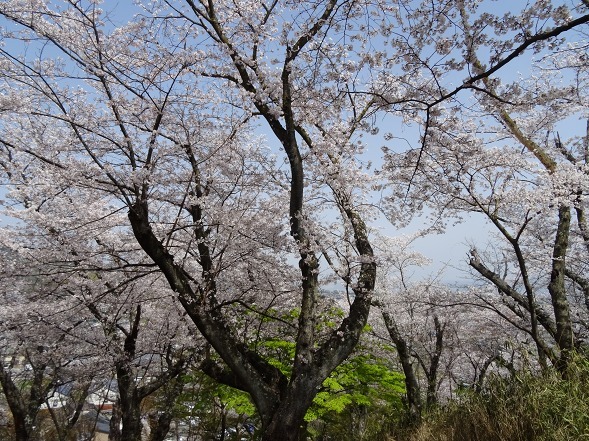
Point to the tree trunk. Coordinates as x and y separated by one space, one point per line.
432 373
160 423
560 304
281 403
288 419
414 403
129 410
114 433
480 378
131 419
19 416
160 426
24 409
129 399
22 430
286 426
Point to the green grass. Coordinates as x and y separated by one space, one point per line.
524 407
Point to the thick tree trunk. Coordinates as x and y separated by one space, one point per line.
114 433
129 399
22 429
130 418
126 422
160 426
286 426
283 432
21 423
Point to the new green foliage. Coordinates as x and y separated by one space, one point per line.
364 380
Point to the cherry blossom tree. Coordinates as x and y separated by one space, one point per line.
501 154
204 202
38 359
158 117
79 328
446 337
147 350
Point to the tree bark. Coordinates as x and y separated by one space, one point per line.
480 378
24 409
131 395
160 424
560 304
114 433
414 402
432 372
22 424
